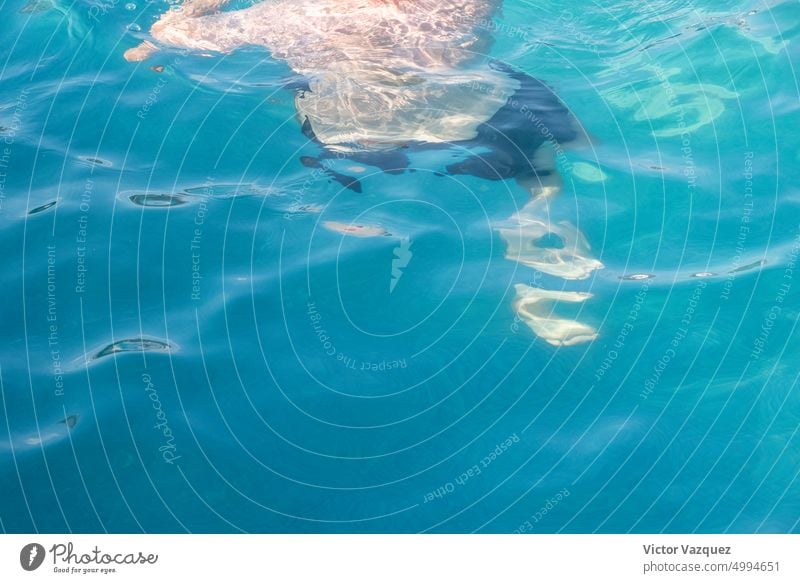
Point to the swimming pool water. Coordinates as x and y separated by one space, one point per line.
187 347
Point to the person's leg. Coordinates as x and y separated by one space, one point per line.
188 26
554 248
522 140
510 144
532 307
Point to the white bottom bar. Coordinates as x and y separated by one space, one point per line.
402 558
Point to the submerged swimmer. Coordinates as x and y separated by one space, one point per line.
364 61
386 78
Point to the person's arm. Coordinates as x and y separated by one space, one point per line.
191 26
191 8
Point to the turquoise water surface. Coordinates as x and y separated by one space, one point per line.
190 344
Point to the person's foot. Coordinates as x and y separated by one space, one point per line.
531 305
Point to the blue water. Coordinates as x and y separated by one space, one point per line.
186 347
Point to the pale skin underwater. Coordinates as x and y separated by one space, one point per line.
383 74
